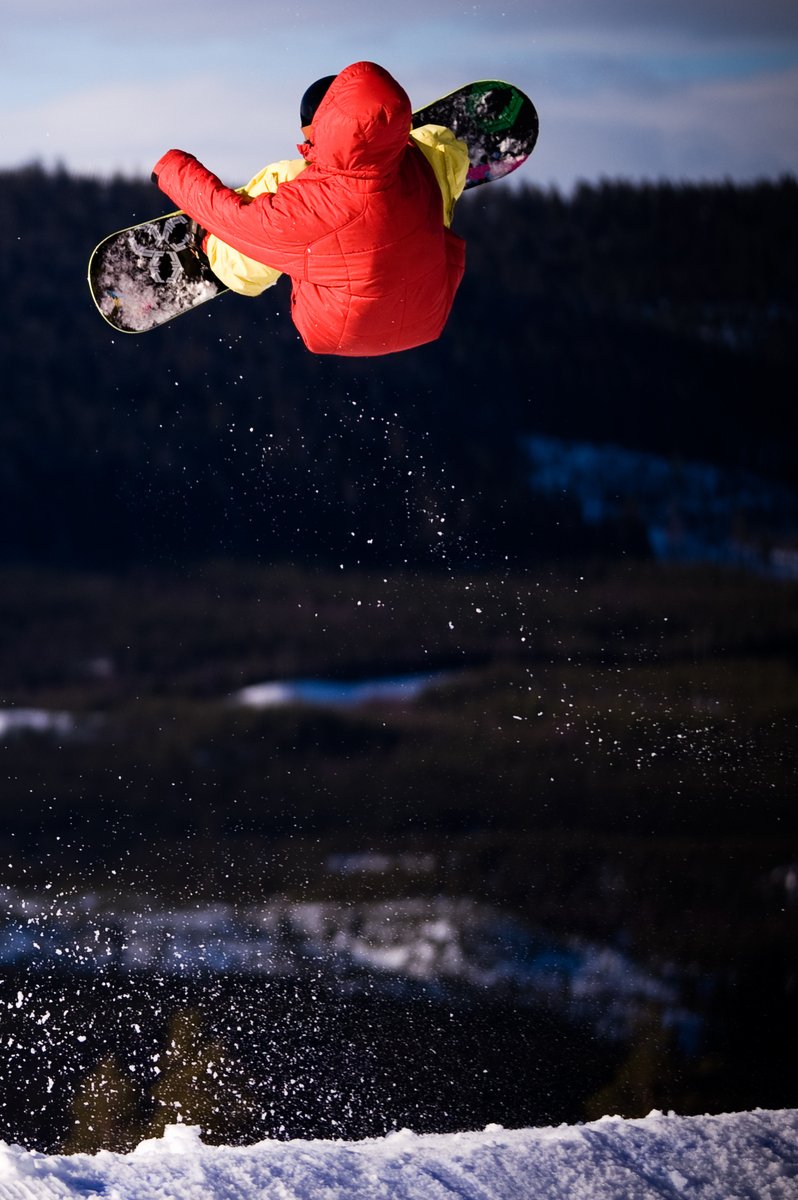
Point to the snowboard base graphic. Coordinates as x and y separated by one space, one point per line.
146 275
498 123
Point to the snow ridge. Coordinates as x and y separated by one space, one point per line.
706 1158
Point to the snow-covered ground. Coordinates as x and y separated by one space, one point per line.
442 942
328 693
691 511
35 720
318 693
745 1155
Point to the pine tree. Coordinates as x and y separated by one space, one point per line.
193 1087
646 1079
105 1112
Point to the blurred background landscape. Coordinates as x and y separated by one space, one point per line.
406 742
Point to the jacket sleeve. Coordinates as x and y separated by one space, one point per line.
238 272
265 228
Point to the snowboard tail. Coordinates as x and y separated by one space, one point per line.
146 275
496 120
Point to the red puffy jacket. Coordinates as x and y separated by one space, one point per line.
360 231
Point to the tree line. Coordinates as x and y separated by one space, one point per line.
661 317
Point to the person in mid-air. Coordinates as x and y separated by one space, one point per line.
360 222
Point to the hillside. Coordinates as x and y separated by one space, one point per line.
364 724
657 318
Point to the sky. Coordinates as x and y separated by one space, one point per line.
632 89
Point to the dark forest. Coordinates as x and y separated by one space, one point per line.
660 318
607 752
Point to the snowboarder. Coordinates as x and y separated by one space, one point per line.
360 222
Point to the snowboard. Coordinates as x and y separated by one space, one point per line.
498 123
145 275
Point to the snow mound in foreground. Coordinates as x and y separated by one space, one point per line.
707 1158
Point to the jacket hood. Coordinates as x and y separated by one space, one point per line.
363 123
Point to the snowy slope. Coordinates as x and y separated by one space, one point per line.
751 1155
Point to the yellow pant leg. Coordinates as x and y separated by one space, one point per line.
236 271
448 157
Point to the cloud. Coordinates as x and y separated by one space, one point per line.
82 130
204 21
710 130
713 130
641 88
699 18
